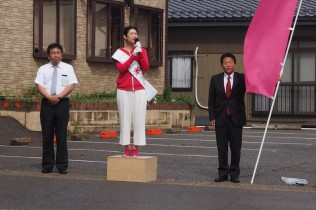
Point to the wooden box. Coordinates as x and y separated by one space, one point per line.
132 169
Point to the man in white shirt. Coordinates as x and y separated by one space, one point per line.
55 81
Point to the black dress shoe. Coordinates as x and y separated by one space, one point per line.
45 171
63 172
221 179
234 180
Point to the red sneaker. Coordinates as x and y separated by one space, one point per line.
134 152
127 151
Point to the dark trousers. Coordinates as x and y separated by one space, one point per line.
54 121
232 135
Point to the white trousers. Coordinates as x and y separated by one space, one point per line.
132 107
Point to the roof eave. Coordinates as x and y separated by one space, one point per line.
175 22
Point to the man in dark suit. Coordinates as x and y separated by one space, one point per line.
227 108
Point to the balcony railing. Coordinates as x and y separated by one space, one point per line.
292 100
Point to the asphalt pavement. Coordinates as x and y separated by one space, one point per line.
187 166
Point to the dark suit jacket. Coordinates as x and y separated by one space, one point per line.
218 102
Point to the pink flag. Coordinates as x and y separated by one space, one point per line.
265 45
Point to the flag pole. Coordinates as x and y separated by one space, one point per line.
276 90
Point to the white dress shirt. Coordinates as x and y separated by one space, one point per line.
65 76
231 80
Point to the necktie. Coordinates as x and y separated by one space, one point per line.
54 82
228 90
228 87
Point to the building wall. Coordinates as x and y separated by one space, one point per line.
18 67
213 41
208 65
218 39
210 39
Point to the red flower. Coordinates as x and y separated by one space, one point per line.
38 107
5 104
17 105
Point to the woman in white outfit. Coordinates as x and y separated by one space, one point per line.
131 95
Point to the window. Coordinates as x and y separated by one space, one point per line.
149 24
180 70
105 26
54 21
296 94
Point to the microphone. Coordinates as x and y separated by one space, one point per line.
137 43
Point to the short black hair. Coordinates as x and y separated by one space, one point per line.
128 28
229 55
54 45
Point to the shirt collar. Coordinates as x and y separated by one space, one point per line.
58 65
231 76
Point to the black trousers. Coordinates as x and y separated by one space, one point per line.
54 121
232 135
